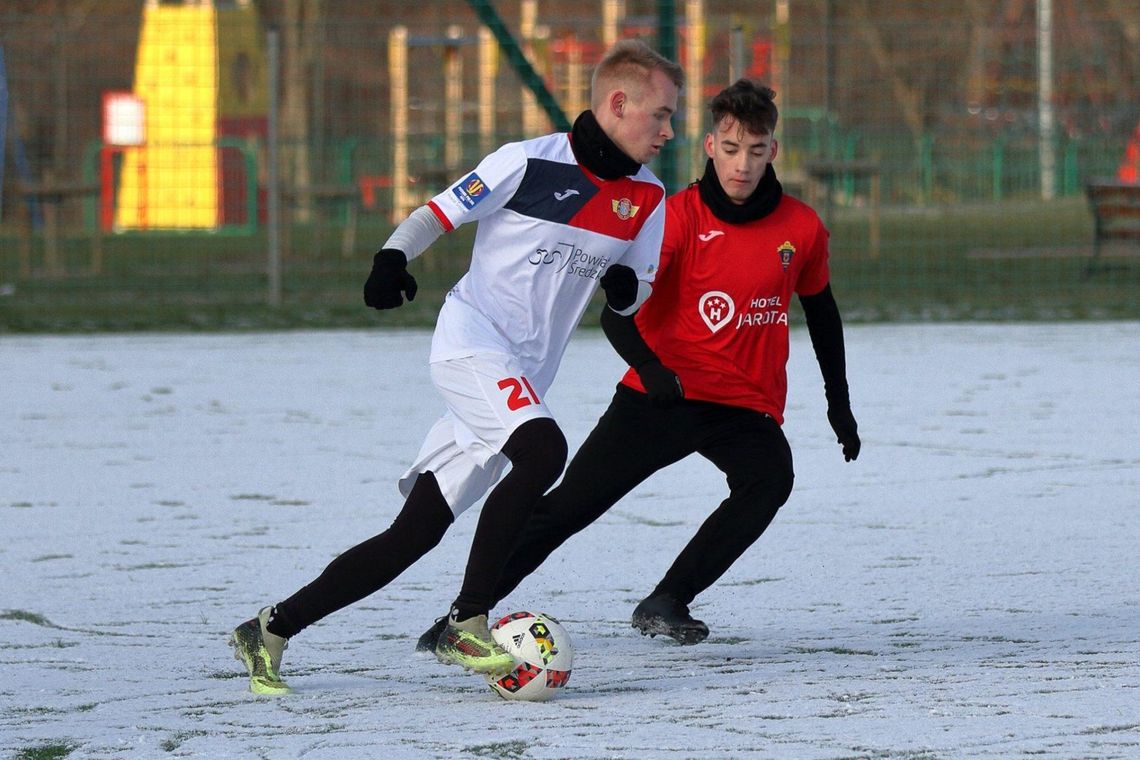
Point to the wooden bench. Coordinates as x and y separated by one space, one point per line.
825 174
51 194
1116 214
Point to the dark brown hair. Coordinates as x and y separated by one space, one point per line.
749 103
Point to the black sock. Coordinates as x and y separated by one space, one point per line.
279 624
464 609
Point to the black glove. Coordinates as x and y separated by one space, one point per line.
661 383
620 284
388 279
845 427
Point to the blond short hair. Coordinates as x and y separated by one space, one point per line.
628 65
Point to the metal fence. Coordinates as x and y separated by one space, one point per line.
151 178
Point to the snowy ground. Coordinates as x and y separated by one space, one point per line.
967 589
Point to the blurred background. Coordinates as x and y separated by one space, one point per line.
235 164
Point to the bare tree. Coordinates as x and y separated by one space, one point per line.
1124 13
301 27
908 97
981 40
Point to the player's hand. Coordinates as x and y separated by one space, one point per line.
846 431
661 383
389 280
620 284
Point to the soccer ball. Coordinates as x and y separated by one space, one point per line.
542 649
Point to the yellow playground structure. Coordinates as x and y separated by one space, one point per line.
200 78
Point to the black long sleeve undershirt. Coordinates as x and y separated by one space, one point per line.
623 335
825 327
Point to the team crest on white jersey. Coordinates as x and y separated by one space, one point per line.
786 251
624 208
716 309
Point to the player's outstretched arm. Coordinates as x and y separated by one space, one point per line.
825 327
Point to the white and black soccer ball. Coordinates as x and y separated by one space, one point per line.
543 653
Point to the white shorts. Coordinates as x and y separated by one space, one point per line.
488 397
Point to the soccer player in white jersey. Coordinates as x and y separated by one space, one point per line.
557 216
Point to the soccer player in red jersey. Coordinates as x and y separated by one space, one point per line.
707 354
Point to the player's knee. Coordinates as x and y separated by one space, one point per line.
780 485
771 486
783 476
783 489
539 447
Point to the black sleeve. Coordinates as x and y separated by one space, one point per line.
626 339
826 330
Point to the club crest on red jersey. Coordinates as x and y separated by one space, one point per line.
786 252
716 309
624 208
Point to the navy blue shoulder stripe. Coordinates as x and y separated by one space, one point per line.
552 191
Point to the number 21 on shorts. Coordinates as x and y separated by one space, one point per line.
519 393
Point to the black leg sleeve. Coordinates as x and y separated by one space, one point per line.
537 451
373 564
756 458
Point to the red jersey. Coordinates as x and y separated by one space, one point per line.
718 315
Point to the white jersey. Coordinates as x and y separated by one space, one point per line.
547 231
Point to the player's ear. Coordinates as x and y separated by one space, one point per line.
616 103
709 144
775 145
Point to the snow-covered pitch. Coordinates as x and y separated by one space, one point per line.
966 589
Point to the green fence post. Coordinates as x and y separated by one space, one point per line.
1070 184
997 167
510 47
89 165
343 163
849 155
926 167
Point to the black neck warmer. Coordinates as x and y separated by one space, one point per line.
597 152
762 202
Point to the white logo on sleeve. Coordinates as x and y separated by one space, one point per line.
707 236
565 194
716 309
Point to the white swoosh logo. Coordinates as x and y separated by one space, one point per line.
707 236
566 194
